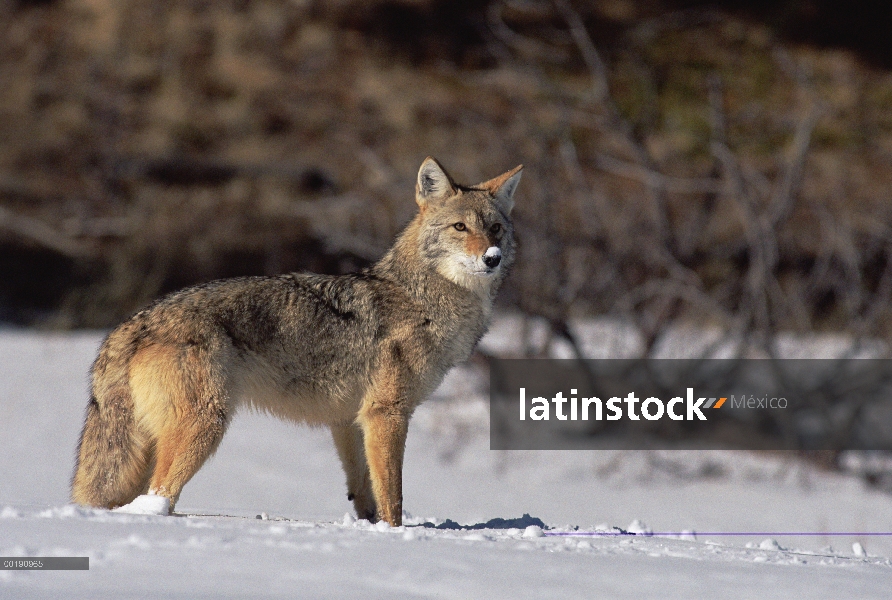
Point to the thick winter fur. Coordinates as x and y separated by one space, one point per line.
356 353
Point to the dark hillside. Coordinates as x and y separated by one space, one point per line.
729 162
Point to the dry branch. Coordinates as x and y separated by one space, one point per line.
43 235
655 179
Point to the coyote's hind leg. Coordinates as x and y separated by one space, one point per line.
183 403
182 450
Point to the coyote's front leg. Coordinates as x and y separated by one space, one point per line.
384 418
349 443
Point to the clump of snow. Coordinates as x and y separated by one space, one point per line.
9 512
348 520
639 528
769 544
382 526
533 531
858 549
148 504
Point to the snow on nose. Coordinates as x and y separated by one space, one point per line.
492 257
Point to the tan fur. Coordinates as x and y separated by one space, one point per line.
356 353
476 245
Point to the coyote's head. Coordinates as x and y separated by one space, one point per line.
466 231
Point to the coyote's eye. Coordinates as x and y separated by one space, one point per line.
460 226
496 227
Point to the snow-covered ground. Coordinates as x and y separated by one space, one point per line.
306 546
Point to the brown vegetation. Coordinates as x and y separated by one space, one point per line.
679 164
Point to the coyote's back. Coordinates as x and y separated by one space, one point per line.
357 353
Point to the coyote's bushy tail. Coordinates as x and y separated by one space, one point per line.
113 455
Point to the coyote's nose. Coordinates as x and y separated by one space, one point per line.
493 257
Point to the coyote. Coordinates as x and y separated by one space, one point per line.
355 352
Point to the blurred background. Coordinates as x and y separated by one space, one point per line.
725 166
728 162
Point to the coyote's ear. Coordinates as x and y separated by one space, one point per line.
502 187
433 183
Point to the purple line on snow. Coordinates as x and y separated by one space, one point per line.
705 533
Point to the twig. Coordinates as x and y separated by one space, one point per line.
203 170
759 235
44 235
326 221
615 118
784 194
655 179
524 45
785 191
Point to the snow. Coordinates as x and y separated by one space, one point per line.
533 531
639 528
769 544
148 504
480 523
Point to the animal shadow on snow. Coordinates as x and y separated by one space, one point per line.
498 523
